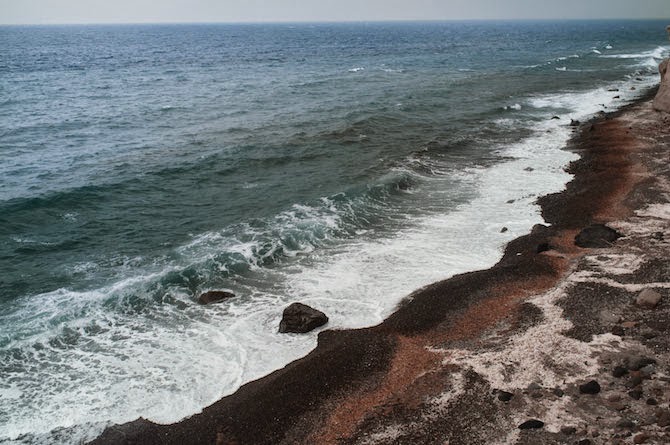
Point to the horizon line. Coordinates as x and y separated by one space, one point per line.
316 22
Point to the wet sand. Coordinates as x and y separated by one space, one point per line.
469 359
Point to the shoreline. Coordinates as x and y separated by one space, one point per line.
397 378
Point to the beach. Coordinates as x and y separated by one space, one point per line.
170 190
472 359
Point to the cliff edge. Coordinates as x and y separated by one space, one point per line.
662 99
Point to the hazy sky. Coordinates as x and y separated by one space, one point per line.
123 11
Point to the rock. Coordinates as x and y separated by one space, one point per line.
651 401
574 123
543 247
568 430
612 90
591 387
531 424
558 392
618 406
597 236
505 396
641 438
633 381
619 371
635 394
618 330
662 99
640 362
648 299
214 296
301 318
663 418
648 334
534 387
616 97
625 424
647 371
613 398
628 324
608 318
504 229
584 442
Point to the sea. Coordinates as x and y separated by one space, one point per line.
342 165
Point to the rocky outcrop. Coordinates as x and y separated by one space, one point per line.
300 318
214 296
662 99
597 235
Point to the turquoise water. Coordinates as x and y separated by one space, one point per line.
343 165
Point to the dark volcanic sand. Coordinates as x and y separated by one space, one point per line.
536 326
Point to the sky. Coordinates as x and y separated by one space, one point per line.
143 11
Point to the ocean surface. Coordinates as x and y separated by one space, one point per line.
340 165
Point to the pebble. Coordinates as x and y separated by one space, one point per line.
652 401
641 438
628 324
649 334
619 371
625 423
614 398
618 406
505 396
568 430
584 442
663 418
534 387
531 424
635 394
640 362
648 299
558 392
634 381
647 371
591 387
618 331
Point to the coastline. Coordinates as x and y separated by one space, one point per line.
421 376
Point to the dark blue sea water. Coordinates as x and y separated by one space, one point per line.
342 165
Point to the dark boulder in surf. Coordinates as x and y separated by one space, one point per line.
597 235
300 318
214 296
662 99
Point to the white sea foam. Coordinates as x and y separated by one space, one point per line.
649 59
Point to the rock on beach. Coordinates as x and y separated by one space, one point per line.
648 299
214 296
597 236
300 318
